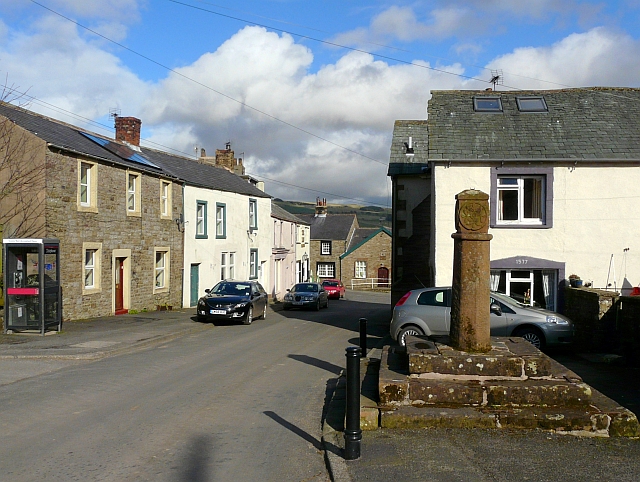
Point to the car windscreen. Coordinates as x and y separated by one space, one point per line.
306 287
330 283
238 289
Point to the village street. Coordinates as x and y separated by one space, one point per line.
228 402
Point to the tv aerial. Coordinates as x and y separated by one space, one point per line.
496 78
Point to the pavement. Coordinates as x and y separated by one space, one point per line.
435 454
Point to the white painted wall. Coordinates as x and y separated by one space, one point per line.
283 271
595 215
207 252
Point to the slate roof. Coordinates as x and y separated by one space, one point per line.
68 137
361 236
594 124
202 175
280 213
331 227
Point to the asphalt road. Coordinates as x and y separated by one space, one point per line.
232 402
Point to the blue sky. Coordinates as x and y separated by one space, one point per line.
306 91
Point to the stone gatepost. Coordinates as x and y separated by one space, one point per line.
470 315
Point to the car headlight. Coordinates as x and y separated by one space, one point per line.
288 297
557 320
309 298
242 305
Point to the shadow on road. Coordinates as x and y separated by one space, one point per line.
309 360
289 426
195 466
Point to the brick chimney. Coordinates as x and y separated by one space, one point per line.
321 208
224 158
128 130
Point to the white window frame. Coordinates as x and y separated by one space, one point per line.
360 269
232 265
223 265
92 265
221 220
326 270
519 188
161 269
325 247
253 264
165 199
201 219
88 202
133 193
253 214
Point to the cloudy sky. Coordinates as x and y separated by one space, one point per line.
306 91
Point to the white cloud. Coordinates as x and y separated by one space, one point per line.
599 57
352 103
52 62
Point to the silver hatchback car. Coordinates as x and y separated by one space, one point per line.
427 312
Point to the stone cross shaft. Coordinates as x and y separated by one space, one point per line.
470 315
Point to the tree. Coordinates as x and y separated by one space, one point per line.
23 161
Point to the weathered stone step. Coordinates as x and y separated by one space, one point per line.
592 420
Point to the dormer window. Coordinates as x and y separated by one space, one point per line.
487 104
532 104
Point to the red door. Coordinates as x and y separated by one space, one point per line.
383 277
120 287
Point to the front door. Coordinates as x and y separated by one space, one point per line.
383 277
195 284
120 286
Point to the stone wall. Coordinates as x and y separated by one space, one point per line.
593 313
628 325
114 229
376 252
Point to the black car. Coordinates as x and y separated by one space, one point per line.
233 300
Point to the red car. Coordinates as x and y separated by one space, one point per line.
334 288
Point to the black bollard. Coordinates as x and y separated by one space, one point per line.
352 432
363 337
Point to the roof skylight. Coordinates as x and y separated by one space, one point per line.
531 104
487 104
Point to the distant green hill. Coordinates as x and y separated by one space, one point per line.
368 216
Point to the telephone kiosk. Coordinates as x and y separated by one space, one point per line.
32 291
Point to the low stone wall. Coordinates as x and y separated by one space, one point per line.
605 322
593 314
628 324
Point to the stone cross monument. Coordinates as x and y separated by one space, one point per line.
470 316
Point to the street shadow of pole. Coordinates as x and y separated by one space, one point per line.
195 466
325 365
301 433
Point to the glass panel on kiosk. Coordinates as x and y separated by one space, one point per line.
23 290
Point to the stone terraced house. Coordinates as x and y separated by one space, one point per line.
111 207
562 170
341 249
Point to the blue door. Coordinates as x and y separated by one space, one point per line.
195 284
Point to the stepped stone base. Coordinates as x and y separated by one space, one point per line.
513 386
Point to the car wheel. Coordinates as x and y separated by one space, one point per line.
264 313
318 306
249 317
532 335
408 331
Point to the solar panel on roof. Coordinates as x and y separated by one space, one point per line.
120 150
